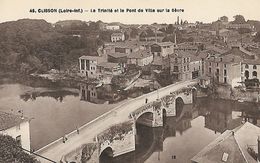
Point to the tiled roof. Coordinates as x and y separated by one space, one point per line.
117 55
117 34
164 43
239 52
140 54
8 120
251 61
93 58
233 143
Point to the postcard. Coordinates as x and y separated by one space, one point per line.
129 81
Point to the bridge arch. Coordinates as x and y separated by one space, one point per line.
179 102
146 118
106 155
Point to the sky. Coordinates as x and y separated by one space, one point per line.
194 10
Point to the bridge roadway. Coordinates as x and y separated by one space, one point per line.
119 114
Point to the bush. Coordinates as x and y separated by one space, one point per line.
11 152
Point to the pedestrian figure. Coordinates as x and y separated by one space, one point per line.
77 129
146 100
64 139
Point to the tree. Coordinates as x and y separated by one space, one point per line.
170 29
133 33
126 35
11 152
257 37
239 19
244 30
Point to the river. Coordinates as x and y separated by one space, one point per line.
53 111
183 136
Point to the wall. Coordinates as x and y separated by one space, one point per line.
24 131
120 137
225 92
87 153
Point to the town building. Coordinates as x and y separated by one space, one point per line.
250 69
118 58
88 92
112 27
108 68
140 58
239 145
117 37
185 65
16 126
239 26
187 47
226 67
162 49
88 66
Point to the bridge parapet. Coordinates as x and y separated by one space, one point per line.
86 153
120 138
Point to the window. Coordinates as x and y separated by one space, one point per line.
18 140
82 64
184 60
217 64
225 72
225 79
209 70
246 66
225 65
221 59
210 63
254 67
217 73
254 74
247 74
176 60
188 67
184 68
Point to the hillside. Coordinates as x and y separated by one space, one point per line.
30 45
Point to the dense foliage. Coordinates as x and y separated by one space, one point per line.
31 45
11 152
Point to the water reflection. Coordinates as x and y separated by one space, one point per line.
184 135
100 94
56 94
55 111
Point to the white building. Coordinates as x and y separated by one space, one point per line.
17 127
88 66
112 27
117 37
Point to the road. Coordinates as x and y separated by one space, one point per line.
89 131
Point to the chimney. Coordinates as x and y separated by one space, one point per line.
258 148
175 38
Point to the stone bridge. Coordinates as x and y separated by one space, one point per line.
115 133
